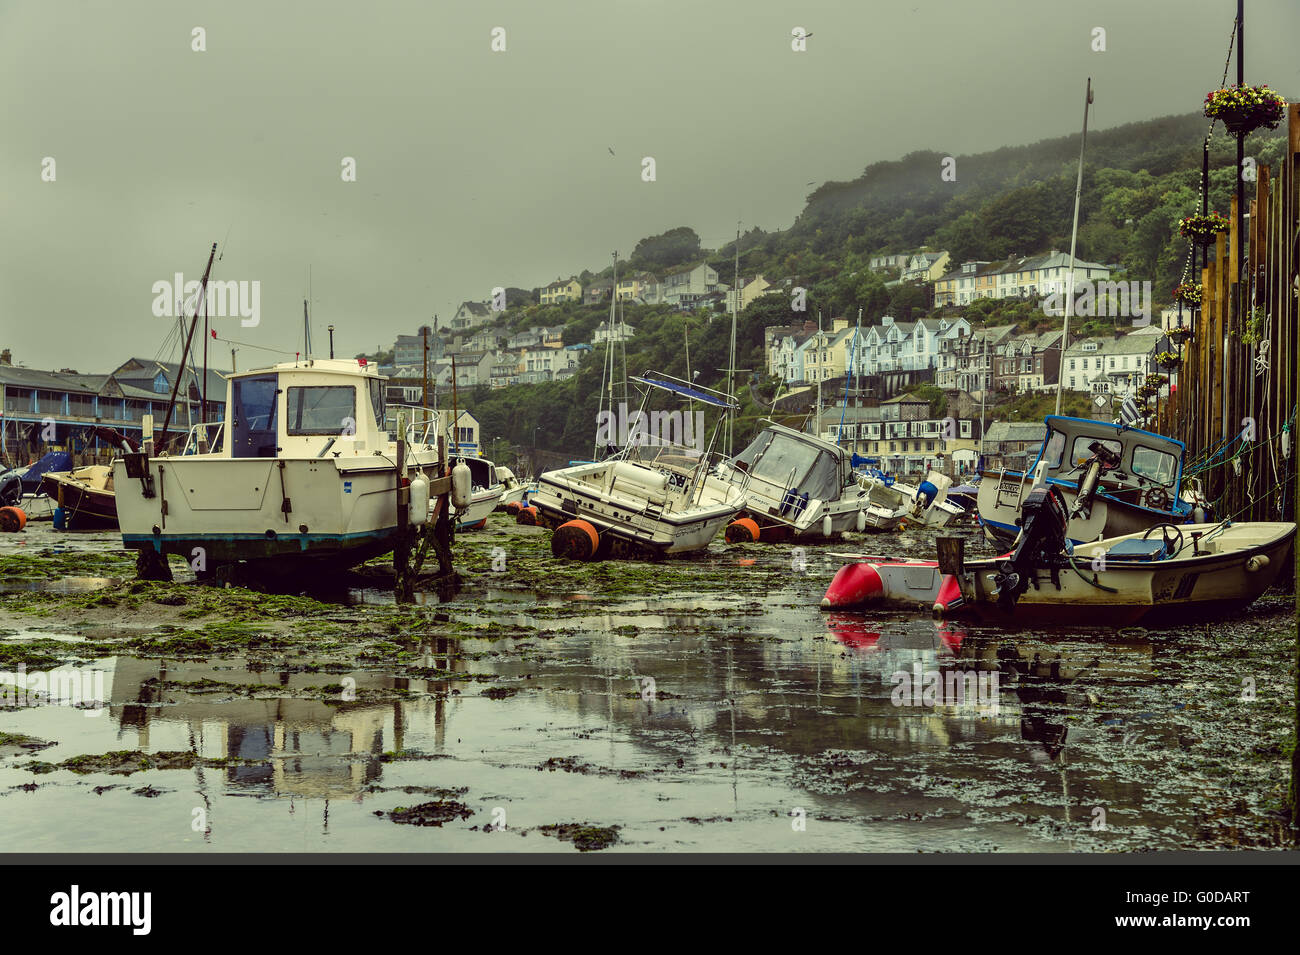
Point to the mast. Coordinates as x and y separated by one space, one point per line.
1074 238
607 368
817 421
203 391
180 372
731 361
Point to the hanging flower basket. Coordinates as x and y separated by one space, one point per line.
1245 108
1204 228
1189 293
1179 334
1168 359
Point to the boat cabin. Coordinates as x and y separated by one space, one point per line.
781 460
1150 465
305 410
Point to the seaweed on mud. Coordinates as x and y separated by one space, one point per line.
434 813
127 762
584 836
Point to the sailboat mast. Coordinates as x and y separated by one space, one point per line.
731 361
1074 238
607 369
203 291
817 422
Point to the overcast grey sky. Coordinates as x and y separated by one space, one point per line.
478 168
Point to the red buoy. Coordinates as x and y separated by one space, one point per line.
575 540
12 519
742 531
527 515
514 507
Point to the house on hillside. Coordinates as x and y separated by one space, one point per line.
689 285
471 315
1113 365
597 291
560 291
1028 362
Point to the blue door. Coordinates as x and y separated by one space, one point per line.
253 417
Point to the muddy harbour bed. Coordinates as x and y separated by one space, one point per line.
704 704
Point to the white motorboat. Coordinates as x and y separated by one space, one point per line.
301 470
651 498
798 486
486 492
1167 573
514 491
885 507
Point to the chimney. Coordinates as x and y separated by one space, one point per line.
6 357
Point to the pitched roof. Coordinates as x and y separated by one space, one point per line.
1015 431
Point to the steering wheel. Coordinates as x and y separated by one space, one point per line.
1157 498
1165 537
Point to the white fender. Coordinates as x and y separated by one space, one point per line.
460 486
418 506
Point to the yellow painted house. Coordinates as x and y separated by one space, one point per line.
561 291
825 352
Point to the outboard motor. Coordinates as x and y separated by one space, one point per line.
1103 459
934 488
1042 541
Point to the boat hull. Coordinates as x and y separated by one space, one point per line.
481 505
634 526
1155 593
221 510
84 507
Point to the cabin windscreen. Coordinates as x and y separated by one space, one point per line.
1053 448
1157 466
787 462
1080 452
322 409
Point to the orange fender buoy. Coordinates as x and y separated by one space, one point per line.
527 515
12 519
742 531
576 540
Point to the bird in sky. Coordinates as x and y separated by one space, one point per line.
611 150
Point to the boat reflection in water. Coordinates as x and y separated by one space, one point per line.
316 745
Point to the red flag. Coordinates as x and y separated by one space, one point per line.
214 333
